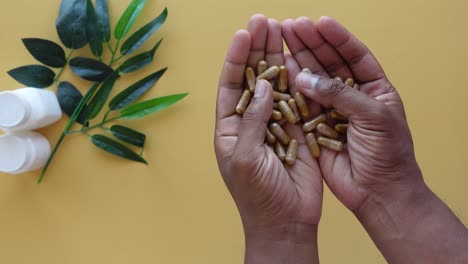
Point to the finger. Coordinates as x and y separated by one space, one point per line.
258 29
333 93
232 76
328 57
300 52
362 63
274 45
256 117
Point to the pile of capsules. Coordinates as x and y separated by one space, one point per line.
294 109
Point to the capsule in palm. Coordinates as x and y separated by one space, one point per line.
244 102
276 115
291 155
292 103
280 151
250 77
302 105
283 79
341 128
287 112
327 131
262 66
270 138
277 96
269 74
280 134
330 143
338 115
313 145
349 82
312 124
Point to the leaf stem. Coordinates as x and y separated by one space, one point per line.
69 125
59 74
114 52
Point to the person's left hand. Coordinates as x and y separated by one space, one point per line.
272 198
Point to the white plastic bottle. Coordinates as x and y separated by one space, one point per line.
23 152
28 109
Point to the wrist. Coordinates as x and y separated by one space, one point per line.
287 243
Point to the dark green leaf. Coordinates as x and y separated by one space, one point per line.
139 37
135 91
36 76
71 23
69 97
129 136
95 36
46 52
101 96
102 12
149 107
128 18
115 148
89 69
139 61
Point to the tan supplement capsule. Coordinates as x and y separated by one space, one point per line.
291 155
313 145
250 77
277 96
270 138
357 87
349 82
269 74
293 105
312 124
276 115
262 66
341 128
331 143
302 105
287 112
280 134
339 79
283 79
280 151
327 131
244 101
338 115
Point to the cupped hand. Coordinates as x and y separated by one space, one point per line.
379 156
268 193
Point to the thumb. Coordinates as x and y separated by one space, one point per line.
256 117
333 93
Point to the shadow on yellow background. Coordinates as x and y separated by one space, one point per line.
94 208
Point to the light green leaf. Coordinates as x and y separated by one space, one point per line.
149 107
128 18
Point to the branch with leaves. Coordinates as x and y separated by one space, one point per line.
81 23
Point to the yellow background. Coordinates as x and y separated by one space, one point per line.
94 208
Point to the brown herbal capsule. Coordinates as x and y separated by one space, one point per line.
302 105
293 105
327 131
281 96
283 79
338 78
280 151
357 87
280 134
269 74
338 115
250 77
291 155
262 66
270 138
313 145
331 143
287 112
349 82
276 115
244 102
312 124
341 128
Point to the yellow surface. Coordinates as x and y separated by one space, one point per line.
94 208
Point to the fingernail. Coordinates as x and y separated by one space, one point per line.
260 90
307 80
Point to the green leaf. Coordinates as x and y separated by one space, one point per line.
69 98
128 135
115 148
139 37
128 18
90 69
36 76
102 12
72 23
135 91
46 52
95 36
101 96
139 61
149 107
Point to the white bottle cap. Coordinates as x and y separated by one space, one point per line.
13 110
13 153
